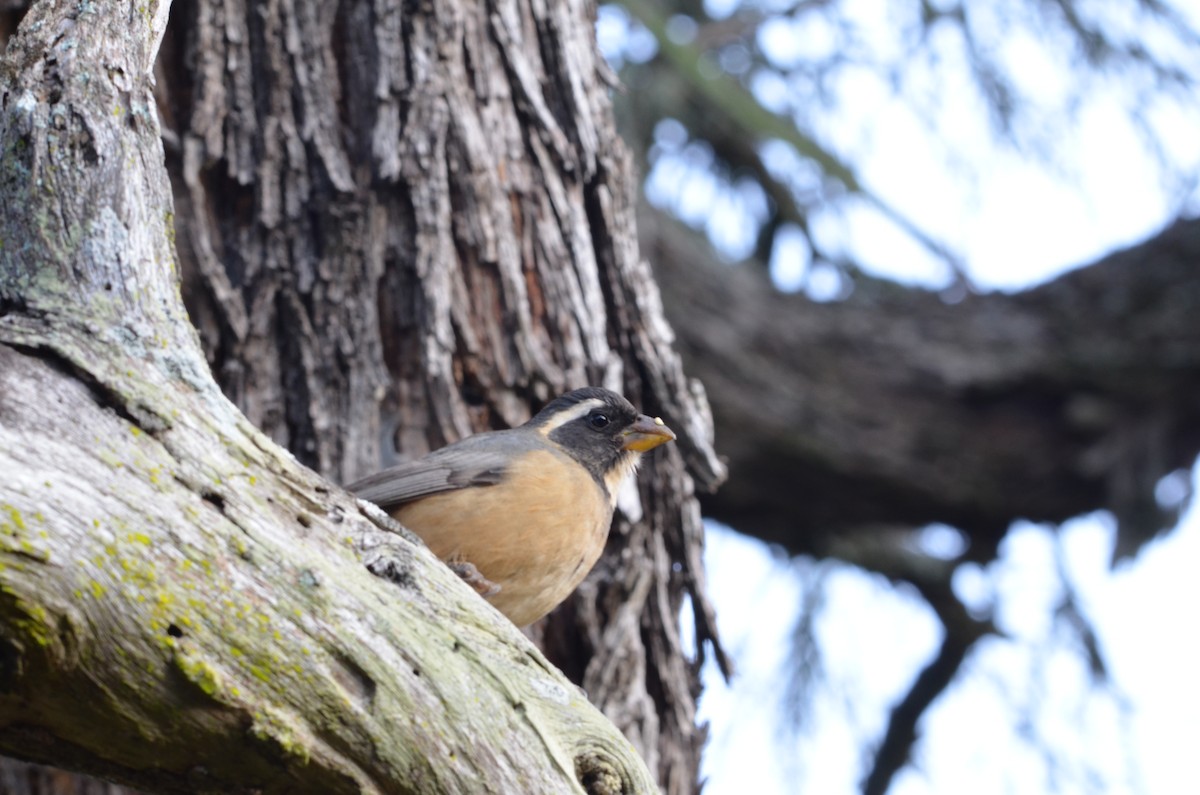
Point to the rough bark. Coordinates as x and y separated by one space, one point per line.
375 204
184 604
400 225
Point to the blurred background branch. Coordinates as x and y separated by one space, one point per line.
833 189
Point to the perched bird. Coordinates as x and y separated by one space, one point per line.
523 514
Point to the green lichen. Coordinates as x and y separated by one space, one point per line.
110 459
199 672
15 523
273 728
34 623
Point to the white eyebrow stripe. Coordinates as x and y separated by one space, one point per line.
575 412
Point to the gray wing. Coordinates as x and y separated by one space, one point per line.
479 460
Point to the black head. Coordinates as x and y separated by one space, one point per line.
601 430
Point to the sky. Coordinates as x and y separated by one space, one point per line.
1025 715
1134 736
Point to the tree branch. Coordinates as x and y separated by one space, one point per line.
848 425
847 421
961 633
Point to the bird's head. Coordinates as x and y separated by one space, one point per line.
601 430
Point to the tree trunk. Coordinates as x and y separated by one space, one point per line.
395 226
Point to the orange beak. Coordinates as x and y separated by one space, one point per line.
646 434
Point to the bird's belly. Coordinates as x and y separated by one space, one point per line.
536 534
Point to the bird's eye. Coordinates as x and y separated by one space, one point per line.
598 420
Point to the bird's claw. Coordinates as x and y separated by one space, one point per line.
472 577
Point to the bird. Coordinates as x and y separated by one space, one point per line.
523 514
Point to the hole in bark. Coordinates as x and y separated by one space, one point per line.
10 17
304 520
216 500
473 392
174 631
597 776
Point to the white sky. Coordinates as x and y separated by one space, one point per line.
1015 223
1140 738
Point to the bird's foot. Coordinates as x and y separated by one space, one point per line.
472 577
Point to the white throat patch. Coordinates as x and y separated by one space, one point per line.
618 480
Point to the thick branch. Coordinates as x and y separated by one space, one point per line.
893 408
849 424
186 608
